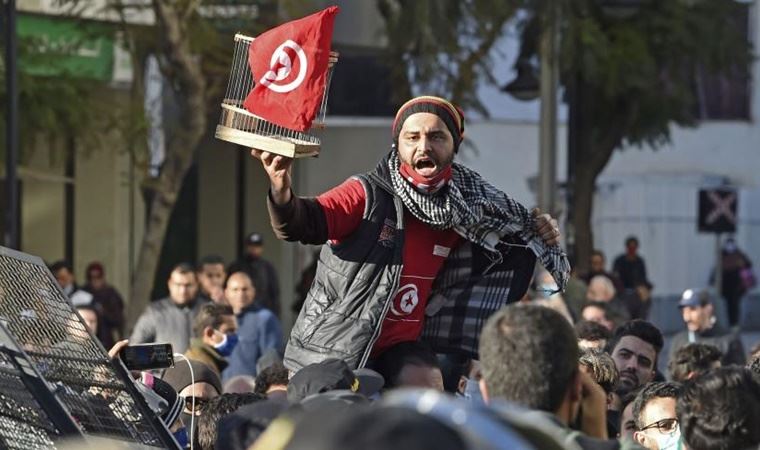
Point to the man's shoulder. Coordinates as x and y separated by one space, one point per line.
159 306
679 338
263 314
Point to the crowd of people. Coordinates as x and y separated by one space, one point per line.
426 326
539 382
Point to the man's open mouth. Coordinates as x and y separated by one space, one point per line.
425 167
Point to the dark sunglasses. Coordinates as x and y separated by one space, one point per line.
200 403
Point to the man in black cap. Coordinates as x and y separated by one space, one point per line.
332 375
418 248
261 271
701 326
197 385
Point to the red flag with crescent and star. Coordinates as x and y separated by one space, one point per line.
289 67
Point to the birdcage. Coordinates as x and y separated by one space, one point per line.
239 126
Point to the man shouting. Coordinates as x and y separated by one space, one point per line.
418 248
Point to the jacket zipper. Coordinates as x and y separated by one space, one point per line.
397 279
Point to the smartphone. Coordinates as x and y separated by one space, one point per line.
147 356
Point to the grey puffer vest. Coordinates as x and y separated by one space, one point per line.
354 285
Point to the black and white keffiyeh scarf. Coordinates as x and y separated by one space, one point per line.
480 213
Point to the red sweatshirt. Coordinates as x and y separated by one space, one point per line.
425 250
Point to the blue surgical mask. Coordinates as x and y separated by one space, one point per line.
472 391
229 341
181 437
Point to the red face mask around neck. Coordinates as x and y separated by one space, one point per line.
428 185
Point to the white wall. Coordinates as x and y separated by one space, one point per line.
661 210
654 194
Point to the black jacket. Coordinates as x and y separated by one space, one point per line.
357 279
727 342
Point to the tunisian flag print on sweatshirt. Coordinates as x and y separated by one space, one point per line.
289 67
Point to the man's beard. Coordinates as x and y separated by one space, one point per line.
628 382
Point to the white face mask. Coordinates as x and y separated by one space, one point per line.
472 391
668 441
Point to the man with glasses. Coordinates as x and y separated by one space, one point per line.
654 413
171 319
197 386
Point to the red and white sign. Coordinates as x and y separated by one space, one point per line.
289 66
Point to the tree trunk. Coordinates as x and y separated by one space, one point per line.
184 72
583 204
590 160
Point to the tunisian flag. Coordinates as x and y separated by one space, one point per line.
289 67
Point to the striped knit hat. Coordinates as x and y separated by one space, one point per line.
451 115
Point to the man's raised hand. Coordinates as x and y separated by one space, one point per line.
278 169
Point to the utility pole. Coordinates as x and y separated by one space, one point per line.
549 78
11 238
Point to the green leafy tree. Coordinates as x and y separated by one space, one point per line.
55 107
631 79
443 47
194 49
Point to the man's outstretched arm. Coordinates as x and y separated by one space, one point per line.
293 218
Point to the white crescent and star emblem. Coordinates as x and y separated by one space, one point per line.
281 67
406 300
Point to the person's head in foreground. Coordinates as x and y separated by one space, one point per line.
634 348
216 409
627 425
332 375
272 380
691 360
241 429
602 369
197 388
720 410
410 364
529 356
361 427
592 334
654 413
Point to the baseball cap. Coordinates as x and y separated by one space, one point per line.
694 297
254 239
330 375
